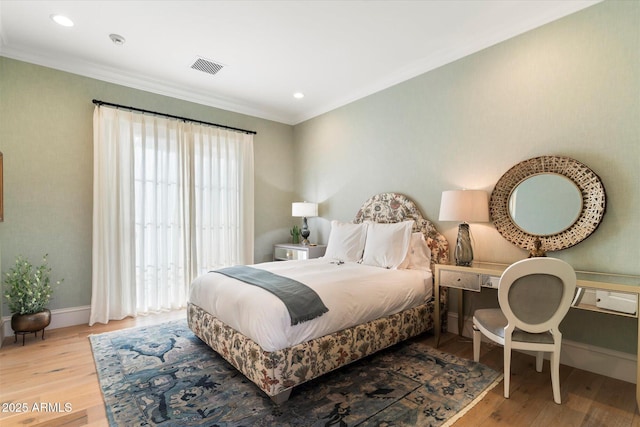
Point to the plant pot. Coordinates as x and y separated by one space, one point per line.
27 323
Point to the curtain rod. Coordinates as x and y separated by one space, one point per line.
109 104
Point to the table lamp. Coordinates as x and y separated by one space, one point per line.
304 210
465 206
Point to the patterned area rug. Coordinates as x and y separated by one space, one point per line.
164 375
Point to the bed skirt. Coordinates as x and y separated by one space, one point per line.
277 372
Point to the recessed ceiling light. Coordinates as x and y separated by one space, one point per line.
298 95
62 20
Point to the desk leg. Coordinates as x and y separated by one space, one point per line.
436 311
460 311
638 365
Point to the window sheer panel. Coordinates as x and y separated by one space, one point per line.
160 232
223 181
172 199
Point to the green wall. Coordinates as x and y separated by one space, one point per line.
570 88
46 136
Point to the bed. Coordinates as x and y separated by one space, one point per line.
276 354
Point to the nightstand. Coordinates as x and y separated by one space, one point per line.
291 251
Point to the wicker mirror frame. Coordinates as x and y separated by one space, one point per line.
593 202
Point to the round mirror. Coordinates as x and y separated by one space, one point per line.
547 203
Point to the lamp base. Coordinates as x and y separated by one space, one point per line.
305 232
463 252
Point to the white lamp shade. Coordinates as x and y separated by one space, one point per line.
304 209
464 206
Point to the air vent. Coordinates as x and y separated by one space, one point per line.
206 66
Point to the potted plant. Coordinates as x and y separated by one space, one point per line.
28 291
295 234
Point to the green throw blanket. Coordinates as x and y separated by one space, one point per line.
302 302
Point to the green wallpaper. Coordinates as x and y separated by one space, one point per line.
46 135
568 88
571 88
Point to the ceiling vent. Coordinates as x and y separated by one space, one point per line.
206 66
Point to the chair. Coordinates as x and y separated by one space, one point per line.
534 295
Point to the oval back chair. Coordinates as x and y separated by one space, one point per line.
534 294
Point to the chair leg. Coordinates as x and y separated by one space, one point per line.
555 376
507 370
539 360
477 338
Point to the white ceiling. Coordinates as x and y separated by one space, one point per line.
333 51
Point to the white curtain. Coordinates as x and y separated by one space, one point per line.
171 200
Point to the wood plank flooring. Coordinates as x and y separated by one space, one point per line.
54 383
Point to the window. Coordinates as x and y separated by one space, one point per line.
172 200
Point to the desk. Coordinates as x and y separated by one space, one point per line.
487 275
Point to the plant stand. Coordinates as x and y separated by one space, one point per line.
35 333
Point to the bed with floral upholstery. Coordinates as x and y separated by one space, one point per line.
372 289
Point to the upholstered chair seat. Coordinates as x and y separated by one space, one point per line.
495 320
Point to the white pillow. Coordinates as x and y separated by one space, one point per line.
419 254
346 241
387 244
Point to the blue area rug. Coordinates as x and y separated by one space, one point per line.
164 375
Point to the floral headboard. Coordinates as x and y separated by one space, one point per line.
396 207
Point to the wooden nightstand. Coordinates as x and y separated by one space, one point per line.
290 251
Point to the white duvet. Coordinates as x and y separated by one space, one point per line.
353 293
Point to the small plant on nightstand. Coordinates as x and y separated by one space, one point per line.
295 234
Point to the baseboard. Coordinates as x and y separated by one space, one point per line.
602 361
60 318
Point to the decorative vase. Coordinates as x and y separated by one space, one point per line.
27 323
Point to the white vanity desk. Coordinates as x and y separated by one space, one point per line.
484 274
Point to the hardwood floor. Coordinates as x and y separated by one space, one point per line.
55 381
588 399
